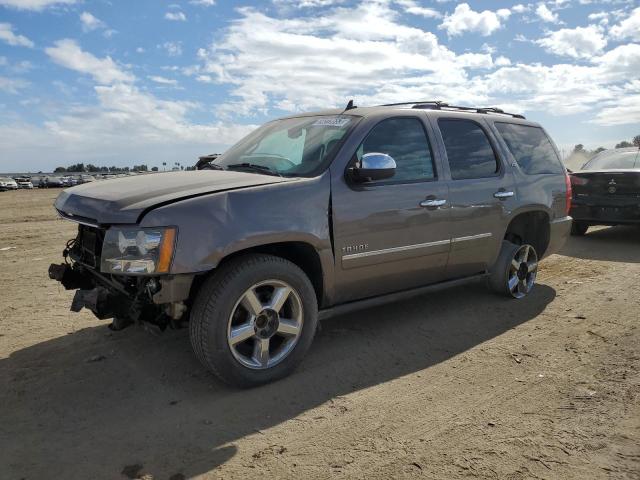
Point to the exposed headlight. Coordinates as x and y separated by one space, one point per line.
138 251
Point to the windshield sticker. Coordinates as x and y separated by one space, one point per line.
331 122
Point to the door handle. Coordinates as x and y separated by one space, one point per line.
432 203
503 194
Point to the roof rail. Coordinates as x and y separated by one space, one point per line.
440 105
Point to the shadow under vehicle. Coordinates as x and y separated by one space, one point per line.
149 402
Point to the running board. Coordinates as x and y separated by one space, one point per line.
395 297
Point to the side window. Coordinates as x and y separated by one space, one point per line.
405 140
468 149
531 148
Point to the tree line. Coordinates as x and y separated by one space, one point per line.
579 148
90 168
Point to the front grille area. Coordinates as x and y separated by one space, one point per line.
88 246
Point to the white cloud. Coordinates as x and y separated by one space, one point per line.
389 61
90 23
579 42
203 3
36 5
12 85
546 15
464 19
620 113
520 8
7 35
162 80
411 7
173 49
140 50
124 123
601 17
363 49
104 70
628 28
175 16
307 3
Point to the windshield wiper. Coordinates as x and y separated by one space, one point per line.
254 167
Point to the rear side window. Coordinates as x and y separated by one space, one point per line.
531 148
468 149
405 140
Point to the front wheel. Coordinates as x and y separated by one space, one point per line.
514 273
254 320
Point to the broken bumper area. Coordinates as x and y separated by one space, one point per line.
154 301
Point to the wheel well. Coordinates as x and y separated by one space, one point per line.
531 228
302 254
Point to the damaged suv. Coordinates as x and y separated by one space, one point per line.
313 215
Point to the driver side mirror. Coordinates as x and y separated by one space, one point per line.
373 167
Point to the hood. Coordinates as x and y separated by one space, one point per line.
124 200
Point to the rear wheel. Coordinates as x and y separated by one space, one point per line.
578 228
514 273
254 320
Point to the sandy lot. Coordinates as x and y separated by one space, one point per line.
458 384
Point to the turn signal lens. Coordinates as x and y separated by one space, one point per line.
166 250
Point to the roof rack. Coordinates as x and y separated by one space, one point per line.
440 105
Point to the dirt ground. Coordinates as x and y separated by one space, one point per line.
458 384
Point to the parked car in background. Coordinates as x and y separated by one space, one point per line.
315 215
7 183
24 183
606 190
54 182
85 179
69 180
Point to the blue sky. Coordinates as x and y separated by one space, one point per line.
146 81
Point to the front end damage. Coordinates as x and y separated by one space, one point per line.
156 301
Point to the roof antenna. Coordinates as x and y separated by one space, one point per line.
350 106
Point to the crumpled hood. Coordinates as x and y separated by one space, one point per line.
123 200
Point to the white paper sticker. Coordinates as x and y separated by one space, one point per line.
331 122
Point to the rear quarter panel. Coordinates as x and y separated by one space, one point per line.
541 192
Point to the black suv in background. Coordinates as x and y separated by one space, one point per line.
313 215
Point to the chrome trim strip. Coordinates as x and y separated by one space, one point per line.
395 249
471 237
71 218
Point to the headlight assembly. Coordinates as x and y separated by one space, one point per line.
138 251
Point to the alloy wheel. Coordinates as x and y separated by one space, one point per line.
523 271
265 324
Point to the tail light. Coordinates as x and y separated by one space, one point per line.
569 193
579 181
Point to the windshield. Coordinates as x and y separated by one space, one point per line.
291 147
615 159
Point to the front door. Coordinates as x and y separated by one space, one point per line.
481 193
393 234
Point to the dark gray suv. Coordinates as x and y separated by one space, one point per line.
313 215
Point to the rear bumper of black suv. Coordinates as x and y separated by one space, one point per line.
610 212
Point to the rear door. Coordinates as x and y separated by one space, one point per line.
481 193
391 235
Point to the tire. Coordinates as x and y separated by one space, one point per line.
578 229
509 277
220 303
